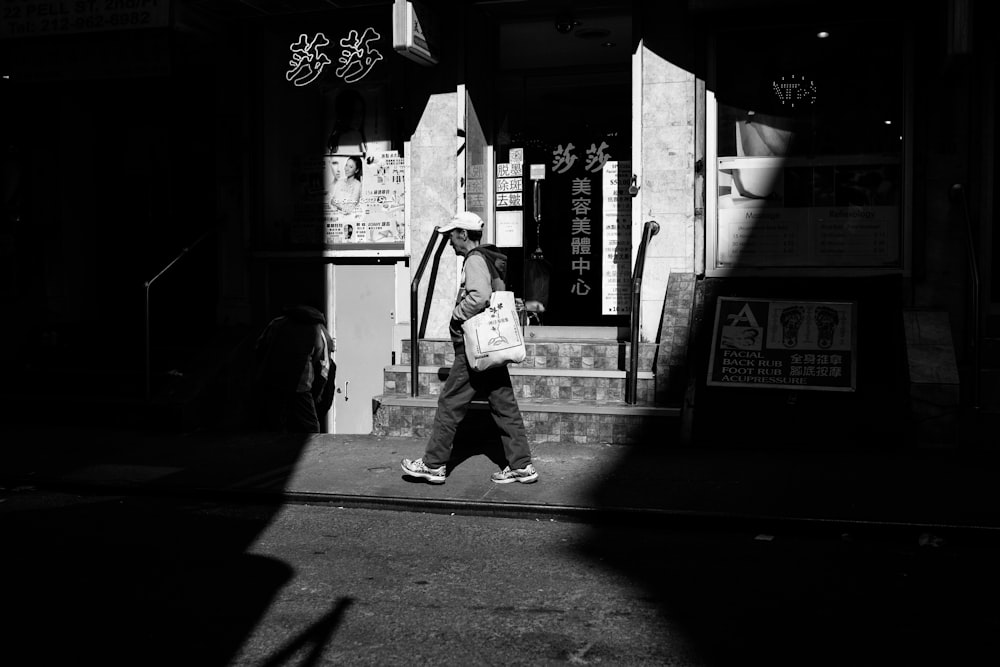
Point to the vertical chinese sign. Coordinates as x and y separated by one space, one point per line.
783 344
586 232
510 202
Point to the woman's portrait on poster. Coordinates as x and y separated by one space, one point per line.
346 193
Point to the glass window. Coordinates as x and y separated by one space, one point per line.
809 146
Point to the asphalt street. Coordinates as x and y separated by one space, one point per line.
125 579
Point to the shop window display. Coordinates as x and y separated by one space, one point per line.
809 146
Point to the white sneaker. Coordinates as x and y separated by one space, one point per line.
417 468
525 475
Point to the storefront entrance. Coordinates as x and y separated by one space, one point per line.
561 139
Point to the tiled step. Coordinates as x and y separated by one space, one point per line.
546 420
569 390
541 383
567 354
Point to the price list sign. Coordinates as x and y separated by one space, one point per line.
764 343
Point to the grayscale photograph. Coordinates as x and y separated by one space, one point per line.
499 332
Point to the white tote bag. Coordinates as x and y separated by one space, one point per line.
493 337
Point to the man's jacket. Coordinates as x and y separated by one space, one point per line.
483 271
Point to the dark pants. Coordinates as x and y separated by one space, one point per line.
456 395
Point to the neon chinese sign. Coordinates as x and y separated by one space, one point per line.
358 56
307 60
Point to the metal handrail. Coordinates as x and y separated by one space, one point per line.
649 230
414 315
958 193
148 285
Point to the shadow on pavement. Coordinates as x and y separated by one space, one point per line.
740 597
316 637
139 579
808 557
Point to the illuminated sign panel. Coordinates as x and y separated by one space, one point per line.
411 35
794 89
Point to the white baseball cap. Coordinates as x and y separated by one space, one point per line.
463 220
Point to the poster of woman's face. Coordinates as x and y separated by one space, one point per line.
345 195
364 200
334 172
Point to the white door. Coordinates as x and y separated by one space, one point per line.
363 303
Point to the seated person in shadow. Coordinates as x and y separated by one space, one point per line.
295 372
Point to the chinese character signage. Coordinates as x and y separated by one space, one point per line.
579 178
783 344
509 200
582 228
308 60
508 185
356 53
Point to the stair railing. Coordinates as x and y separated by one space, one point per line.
148 285
416 330
958 195
649 230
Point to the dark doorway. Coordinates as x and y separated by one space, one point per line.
564 102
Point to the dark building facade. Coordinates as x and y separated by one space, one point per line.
821 176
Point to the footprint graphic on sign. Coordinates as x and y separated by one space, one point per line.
791 321
827 320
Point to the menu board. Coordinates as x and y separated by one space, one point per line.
783 212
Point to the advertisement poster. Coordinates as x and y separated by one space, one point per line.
616 225
353 202
783 344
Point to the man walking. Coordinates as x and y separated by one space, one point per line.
482 272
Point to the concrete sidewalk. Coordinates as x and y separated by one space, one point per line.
936 489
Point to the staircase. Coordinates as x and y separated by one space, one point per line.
569 390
